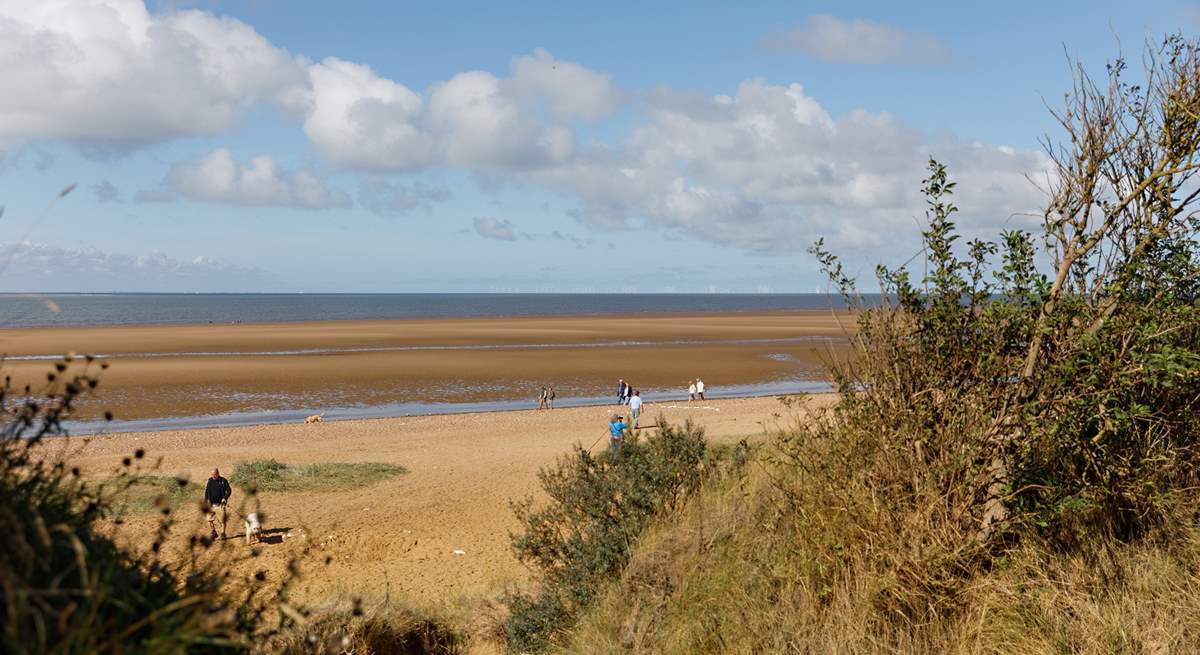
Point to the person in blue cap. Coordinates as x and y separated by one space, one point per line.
616 434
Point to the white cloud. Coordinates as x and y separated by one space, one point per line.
109 74
769 170
218 177
361 120
473 120
569 90
765 168
859 42
490 228
43 267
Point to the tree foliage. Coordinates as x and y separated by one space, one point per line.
1051 382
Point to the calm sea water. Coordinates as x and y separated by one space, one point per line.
38 310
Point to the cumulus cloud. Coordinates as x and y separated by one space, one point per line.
858 42
109 74
570 91
397 198
44 267
474 119
218 177
765 168
491 228
769 170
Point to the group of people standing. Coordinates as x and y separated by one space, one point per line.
546 398
696 390
627 395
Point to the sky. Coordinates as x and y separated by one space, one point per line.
310 146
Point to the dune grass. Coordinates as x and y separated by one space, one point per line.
144 494
273 475
740 570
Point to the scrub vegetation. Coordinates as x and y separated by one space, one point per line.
1011 466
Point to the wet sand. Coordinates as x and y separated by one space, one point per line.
162 371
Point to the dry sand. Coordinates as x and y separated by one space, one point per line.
423 360
398 536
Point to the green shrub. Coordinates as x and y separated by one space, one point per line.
271 475
67 586
596 511
999 400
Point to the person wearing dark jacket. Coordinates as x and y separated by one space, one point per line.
216 495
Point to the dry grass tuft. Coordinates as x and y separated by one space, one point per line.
386 630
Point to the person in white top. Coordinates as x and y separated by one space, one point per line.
635 409
691 392
700 388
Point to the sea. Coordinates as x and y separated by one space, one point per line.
23 310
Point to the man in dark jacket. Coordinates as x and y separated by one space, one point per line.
216 494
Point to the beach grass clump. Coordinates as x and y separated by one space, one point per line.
143 494
273 475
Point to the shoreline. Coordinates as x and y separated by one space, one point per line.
383 412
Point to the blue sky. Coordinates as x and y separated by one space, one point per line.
258 145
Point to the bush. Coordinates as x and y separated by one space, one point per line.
1011 465
597 509
271 475
996 401
67 586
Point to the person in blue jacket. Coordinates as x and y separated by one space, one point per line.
616 435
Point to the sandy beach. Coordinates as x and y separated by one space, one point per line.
163 371
398 536
439 533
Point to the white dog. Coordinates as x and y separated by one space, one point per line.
315 418
253 528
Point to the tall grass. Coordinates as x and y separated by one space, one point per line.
272 475
742 571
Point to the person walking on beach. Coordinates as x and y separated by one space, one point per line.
216 494
700 388
550 396
691 392
635 409
543 398
616 434
621 391
628 394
